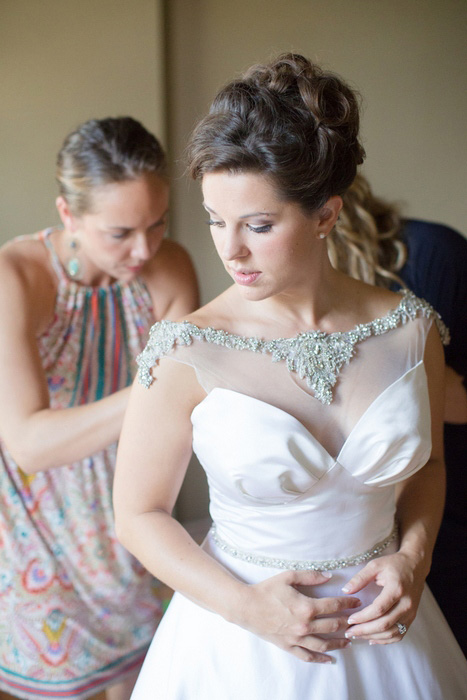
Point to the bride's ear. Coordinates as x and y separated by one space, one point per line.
327 215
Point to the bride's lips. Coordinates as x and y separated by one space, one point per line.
244 278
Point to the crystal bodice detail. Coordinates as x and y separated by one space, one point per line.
314 355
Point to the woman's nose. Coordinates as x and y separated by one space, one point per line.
141 249
233 246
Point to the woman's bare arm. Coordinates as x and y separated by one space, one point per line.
37 436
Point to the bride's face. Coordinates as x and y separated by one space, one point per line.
268 246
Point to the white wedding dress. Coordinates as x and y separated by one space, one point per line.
303 441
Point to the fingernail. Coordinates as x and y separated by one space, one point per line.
326 574
346 589
348 635
371 643
351 620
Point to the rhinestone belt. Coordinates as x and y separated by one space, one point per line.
300 564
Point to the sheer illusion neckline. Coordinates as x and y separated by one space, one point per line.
314 355
407 308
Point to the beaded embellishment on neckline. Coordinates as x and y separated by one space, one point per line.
315 356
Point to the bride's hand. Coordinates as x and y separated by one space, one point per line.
390 615
276 611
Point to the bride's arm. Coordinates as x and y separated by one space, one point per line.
154 451
420 501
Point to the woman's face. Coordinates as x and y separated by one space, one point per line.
268 246
124 229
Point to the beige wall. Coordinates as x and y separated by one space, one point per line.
62 62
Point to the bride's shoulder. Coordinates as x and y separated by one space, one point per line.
376 302
217 314
382 308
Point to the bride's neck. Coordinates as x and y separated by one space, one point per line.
320 306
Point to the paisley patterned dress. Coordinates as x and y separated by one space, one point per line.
77 611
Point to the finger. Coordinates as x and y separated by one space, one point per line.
329 606
322 646
391 636
359 581
328 625
307 578
384 626
314 648
391 633
311 656
381 605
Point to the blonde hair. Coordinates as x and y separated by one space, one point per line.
105 151
365 242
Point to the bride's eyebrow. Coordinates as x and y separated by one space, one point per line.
258 213
244 216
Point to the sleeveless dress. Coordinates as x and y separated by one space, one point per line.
303 441
77 611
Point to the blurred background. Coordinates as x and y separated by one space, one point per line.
161 61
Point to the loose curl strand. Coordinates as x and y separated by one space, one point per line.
365 242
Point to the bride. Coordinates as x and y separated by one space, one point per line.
314 403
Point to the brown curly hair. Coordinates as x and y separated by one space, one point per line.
289 120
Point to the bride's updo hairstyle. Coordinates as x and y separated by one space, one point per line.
290 121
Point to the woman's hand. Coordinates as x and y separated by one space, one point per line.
401 579
276 611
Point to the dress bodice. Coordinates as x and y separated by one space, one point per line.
274 488
294 470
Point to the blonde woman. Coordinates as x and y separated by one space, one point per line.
77 611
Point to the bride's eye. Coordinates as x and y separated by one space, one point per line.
210 222
265 228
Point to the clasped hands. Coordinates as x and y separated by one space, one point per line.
279 612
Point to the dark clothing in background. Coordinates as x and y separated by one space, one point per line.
436 270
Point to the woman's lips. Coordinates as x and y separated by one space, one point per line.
245 278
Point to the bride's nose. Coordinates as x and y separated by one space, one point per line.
233 246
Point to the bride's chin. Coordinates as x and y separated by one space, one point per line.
252 293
